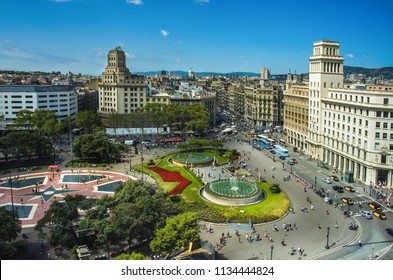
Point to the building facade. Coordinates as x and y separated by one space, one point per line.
350 128
60 99
120 91
296 112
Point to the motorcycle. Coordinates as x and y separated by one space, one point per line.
353 226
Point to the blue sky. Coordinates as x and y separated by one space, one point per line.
205 35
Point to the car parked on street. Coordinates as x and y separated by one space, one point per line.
291 162
389 231
367 214
327 180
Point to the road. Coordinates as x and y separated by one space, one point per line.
343 243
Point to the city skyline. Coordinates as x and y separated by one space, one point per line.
202 35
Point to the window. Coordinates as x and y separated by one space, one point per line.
379 114
385 125
383 158
385 101
384 136
378 125
391 147
386 114
377 135
376 146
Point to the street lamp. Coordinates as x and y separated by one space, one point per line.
12 195
271 252
372 252
327 237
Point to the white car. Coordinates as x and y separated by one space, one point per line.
367 214
243 164
327 180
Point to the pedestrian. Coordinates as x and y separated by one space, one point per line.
240 240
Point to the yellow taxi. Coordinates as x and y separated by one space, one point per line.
379 214
347 200
374 206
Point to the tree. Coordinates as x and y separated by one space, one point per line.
57 224
96 147
88 119
97 218
275 188
6 146
140 211
24 118
9 230
198 118
134 256
178 232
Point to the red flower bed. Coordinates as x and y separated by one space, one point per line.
172 176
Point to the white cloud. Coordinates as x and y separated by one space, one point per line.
130 56
164 32
351 55
202 1
135 2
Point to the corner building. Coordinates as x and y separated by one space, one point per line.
350 128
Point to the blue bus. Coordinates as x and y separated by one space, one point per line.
280 150
265 142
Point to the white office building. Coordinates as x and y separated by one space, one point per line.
350 129
60 99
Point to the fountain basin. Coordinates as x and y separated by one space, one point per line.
232 193
194 159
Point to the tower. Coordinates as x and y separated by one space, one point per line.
326 71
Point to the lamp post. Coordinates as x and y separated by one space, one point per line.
271 252
327 238
130 158
12 194
372 252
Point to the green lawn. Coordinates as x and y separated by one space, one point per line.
273 207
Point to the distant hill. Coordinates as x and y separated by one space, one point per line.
386 72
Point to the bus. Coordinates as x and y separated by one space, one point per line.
265 142
280 150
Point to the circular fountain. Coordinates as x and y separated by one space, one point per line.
194 159
232 192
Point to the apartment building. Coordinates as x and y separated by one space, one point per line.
263 105
296 112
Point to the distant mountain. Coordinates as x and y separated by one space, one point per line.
386 72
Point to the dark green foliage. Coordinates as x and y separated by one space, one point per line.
9 230
275 188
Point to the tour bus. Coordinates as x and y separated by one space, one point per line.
265 142
280 150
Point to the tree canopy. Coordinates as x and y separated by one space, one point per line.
96 147
178 232
9 230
